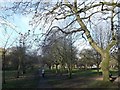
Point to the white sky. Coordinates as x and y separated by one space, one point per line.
22 24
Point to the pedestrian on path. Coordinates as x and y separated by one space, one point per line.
43 73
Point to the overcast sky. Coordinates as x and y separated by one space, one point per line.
21 23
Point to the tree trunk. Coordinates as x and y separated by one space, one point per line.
118 60
98 60
62 69
56 68
49 67
19 67
104 53
70 71
18 71
70 74
98 68
105 66
23 69
3 67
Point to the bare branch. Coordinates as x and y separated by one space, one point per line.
99 4
73 31
64 16
69 24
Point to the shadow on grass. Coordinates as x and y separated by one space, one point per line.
81 79
21 83
28 80
102 84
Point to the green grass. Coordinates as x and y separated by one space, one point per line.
21 83
93 72
114 72
10 74
85 73
80 77
27 80
102 84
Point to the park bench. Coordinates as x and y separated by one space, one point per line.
112 78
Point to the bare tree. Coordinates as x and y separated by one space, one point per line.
118 40
6 24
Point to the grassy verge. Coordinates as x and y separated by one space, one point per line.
82 79
101 84
28 80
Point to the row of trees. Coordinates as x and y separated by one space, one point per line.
19 60
59 50
61 54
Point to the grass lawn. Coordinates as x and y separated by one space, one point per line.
82 79
28 80
101 84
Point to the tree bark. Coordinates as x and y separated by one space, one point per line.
49 67
19 67
3 67
23 68
62 69
104 53
18 71
70 74
70 71
56 68
105 65
98 60
119 61
98 69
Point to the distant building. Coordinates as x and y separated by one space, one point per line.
1 50
9 50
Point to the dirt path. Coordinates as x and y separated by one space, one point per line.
57 81
43 82
61 82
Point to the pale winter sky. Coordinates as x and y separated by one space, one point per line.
21 23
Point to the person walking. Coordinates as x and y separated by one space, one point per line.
43 73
